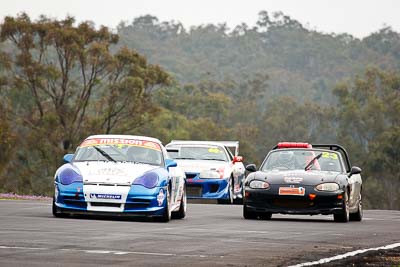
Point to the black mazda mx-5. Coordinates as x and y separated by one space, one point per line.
300 178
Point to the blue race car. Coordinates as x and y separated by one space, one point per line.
120 175
212 170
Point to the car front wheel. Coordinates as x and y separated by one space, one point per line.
166 217
247 214
56 211
344 215
230 192
181 213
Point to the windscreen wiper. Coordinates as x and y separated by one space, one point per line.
312 161
102 152
183 158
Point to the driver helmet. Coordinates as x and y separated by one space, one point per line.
286 157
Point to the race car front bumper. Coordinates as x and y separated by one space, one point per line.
262 200
197 188
76 199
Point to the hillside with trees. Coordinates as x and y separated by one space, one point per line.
274 81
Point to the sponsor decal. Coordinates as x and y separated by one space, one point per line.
107 171
214 150
104 196
293 180
120 141
160 197
329 155
292 191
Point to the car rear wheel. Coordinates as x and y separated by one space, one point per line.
359 214
247 214
181 213
344 215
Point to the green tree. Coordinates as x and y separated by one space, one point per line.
65 82
369 127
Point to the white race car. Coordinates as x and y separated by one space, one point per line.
212 170
120 175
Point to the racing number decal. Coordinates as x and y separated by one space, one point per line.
214 150
328 155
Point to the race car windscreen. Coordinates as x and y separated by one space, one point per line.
198 153
119 150
301 159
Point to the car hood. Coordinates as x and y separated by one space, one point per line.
296 177
198 166
111 172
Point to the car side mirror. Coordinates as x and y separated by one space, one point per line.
237 159
68 158
170 163
251 168
354 170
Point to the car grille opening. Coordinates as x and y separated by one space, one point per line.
75 203
191 175
214 188
194 190
292 203
105 204
134 203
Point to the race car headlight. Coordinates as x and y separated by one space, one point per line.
69 176
330 187
148 180
255 184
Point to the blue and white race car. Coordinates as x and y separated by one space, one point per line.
212 170
120 175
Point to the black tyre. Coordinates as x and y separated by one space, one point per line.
239 200
344 215
56 211
181 213
230 190
166 217
265 216
247 214
359 214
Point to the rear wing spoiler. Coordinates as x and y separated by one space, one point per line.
230 144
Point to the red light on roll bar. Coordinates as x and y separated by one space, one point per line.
294 145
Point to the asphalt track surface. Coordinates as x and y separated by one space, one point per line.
210 235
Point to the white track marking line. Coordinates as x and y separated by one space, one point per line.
348 254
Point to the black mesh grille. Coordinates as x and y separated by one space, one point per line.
191 175
105 204
292 203
193 190
214 188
